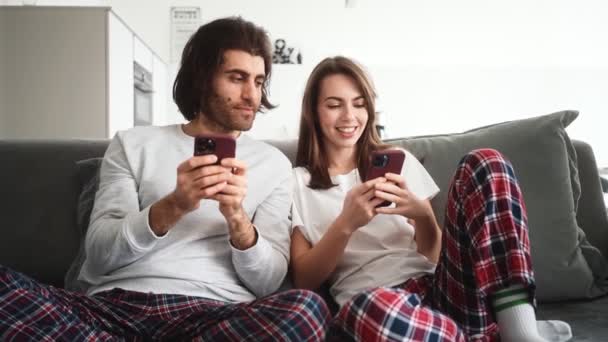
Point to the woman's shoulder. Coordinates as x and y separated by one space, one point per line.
301 173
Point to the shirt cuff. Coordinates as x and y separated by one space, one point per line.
138 232
252 256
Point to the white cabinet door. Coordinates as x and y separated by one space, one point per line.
142 55
161 93
120 76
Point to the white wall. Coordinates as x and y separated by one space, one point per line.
4 69
439 66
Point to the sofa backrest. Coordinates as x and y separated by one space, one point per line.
38 204
39 188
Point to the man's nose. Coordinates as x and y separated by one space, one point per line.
249 89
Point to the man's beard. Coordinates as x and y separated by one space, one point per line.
221 112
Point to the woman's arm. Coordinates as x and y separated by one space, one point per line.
312 265
428 234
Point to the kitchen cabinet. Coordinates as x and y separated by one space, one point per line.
67 72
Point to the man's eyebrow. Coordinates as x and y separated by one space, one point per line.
244 73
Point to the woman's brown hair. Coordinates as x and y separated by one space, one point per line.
312 153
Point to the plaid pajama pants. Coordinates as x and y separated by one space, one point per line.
485 247
30 311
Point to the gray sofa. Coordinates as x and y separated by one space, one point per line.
41 186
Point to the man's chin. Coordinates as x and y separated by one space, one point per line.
246 127
246 123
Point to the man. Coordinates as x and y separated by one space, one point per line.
180 247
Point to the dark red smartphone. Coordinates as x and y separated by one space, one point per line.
383 162
222 146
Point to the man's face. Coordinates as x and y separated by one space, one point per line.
237 91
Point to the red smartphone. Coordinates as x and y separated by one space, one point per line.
223 146
383 162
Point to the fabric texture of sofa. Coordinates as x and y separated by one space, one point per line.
48 188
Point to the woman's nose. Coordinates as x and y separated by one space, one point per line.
348 112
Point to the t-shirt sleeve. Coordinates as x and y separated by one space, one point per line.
417 178
297 208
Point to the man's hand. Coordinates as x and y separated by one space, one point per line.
230 198
197 178
233 193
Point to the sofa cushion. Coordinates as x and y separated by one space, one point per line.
39 195
545 164
87 172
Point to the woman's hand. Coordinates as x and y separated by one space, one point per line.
359 205
406 203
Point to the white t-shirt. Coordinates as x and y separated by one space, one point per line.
382 253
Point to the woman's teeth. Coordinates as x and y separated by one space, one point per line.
346 129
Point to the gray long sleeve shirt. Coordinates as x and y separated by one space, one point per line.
195 257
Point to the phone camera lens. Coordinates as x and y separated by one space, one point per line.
206 145
380 160
209 145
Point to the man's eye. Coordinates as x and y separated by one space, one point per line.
259 83
236 79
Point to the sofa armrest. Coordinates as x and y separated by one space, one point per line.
591 214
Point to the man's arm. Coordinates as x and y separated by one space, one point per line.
119 231
263 266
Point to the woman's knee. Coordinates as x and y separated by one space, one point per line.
484 156
480 164
371 301
375 312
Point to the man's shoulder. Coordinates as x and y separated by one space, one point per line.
268 152
145 132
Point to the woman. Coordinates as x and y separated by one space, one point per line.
395 274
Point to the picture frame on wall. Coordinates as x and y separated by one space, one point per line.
184 22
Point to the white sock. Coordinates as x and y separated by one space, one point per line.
515 315
518 324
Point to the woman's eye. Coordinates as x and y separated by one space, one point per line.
332 106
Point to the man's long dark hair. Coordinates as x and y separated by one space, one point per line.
203 54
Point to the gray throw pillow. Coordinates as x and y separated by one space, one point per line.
87 171
566 265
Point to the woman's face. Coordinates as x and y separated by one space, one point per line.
342 111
